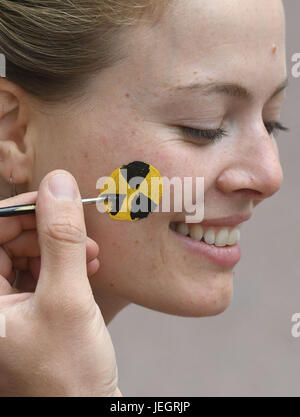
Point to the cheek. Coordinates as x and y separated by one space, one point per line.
187 162
130 258
131 242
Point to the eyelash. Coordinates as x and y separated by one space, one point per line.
216 134
275 127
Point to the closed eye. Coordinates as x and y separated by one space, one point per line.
208 134
213 135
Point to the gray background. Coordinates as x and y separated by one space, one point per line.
248 350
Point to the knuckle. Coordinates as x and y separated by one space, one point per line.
66 230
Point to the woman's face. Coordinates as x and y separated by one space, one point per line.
133 111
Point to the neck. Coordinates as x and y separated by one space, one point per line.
110 305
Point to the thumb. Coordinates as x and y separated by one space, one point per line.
62 238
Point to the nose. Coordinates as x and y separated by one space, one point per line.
254 169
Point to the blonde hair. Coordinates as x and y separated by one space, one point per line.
52 46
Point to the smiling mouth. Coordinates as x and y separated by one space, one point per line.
215 236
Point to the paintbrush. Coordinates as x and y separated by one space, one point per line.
30 208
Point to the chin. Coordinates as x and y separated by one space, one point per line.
193 298
207 301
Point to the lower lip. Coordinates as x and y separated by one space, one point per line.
220 255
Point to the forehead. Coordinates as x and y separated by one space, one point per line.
227 40
205 21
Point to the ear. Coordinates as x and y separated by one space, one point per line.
16 147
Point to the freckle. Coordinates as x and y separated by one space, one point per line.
85 155
274 49
136 242
111 285
210 79
195 72
127 95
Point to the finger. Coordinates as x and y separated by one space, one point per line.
34 265
5 288
10 227
24 245
92 267
62 238
92 249
5 264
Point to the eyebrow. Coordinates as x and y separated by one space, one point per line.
228 89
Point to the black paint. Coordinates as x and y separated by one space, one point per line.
141 207
136 169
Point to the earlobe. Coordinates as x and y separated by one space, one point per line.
16 151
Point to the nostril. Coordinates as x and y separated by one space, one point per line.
251 194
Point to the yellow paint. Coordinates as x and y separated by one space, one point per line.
151 187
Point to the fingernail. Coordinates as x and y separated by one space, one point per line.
62 187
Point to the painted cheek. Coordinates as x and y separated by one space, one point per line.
134 200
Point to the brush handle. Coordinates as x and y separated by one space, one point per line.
17 210
30 208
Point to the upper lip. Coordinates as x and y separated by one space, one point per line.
227 221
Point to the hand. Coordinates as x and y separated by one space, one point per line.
56 340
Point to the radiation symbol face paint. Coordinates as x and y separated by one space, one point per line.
138 187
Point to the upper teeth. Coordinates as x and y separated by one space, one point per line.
223 237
